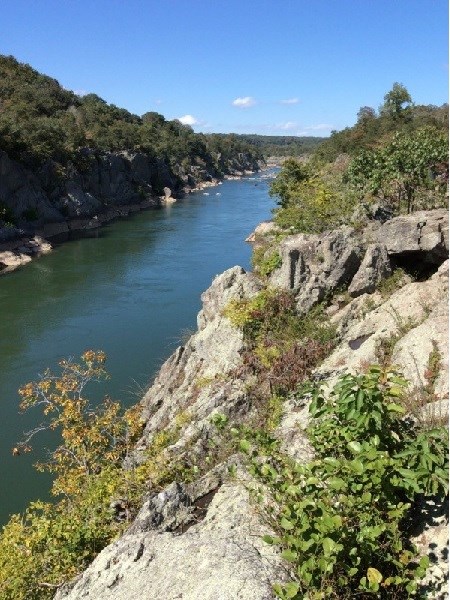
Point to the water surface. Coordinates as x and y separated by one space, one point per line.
132 290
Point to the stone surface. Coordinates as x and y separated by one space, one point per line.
423 231
313 266
263 230
432 539
196 378
21 251
11 260
168 198
374 267
415 313
222 556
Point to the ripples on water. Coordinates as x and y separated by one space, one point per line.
130 290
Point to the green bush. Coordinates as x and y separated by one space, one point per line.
405 167
281 347
314 202
340 518
264 261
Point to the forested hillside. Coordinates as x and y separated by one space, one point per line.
66 159
392 161
283 145
40 120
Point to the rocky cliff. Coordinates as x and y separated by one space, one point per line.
56 199
202 540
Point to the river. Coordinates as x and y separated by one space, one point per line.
131 289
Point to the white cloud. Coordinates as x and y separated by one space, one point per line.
320 127
188 120
323 128
288 125
290 101
244 102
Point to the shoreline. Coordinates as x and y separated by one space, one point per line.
20 251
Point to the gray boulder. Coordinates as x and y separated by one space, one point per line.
374 267
424 232
221 556
313 266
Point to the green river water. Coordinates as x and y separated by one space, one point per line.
131 289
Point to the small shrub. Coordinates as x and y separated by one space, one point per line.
394 282
420 401
264 262
340 518
282 347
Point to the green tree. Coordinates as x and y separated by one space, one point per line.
402 168
287 181
365 113
397 102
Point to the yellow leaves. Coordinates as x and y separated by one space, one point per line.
88 475
21 448
374 576
27 390
44 385
93 359
91 438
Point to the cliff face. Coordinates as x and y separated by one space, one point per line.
202 540
54 193
56 199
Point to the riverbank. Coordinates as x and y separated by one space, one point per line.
20 248
20 251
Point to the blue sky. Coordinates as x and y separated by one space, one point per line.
275 67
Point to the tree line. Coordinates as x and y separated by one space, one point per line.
394 160
40 120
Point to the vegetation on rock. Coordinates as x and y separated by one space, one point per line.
398 158
343 519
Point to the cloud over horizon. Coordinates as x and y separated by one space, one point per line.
289 125
244 102
319 127
290 101
188 120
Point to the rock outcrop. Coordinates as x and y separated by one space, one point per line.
55 200
374 268
314 266
19 252
202 540
412 318
198 376
220 554
422 235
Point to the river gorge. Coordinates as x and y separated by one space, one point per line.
132 289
